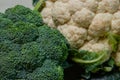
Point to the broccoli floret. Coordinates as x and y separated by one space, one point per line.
22 32
4 35
21 13
31 56
8 64
1 15
53 43
7 46
47 72
5 23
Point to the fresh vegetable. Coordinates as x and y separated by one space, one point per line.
92 27
29 49
90 15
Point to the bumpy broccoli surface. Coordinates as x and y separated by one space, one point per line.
29 49
20 13
47 72
56 48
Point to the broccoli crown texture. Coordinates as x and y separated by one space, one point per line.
21 13
29 49
46 71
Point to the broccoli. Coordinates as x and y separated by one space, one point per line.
21 13
56 43
46 71
22 32
7 46
5 23
1 15
28 48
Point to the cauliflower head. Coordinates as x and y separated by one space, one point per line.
82 20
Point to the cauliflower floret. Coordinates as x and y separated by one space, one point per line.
71 22
49 4
51 23
64 0
119 8
60 13
83 17
91 5
82 0
80 21
116 26
74 35
46 14
96 46
98 0
75 5
110 6
117 15
100 25
87 45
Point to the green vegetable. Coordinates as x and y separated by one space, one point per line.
39 4
20 13
114 39
46 71
29 49
90 60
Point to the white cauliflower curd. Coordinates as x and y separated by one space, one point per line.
100 24
84 21
96 46
74 34
97 16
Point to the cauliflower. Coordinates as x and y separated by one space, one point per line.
96 45
116 15
49 4
74 34
115 26
100 24
110 6
86 24
83 17
92 5
75 5
95 17
60 13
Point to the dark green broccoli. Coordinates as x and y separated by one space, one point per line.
56 47
22 32
2 15
47 72
31 56
7 46
21 13
29 49
4 35
8 64
5 23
